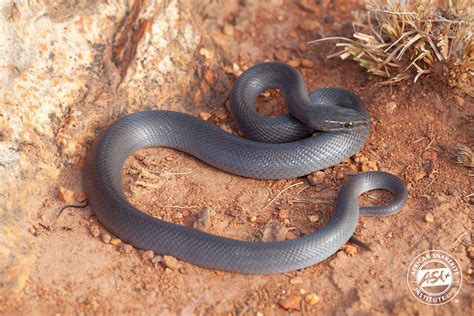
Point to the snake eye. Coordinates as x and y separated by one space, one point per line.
348 125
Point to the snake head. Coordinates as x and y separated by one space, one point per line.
342 119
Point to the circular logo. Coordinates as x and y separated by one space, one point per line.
434 277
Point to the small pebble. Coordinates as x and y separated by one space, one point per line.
228 30
204 219
205 115
148 255
115 241
253 219
303 47
349 250
221 115
106 238
296 280
66 195
429 217
291 303
32 230
294 63
361 159
284 213
178 215
391 106
81 197
307 63
172 262
236 70
94 230
313 218
205 53
312 299
293 34
315 177
126 248
470 252
157 259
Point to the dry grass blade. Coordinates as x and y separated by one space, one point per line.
463 156
401 40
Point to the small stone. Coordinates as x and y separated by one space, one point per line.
32 230
309 26
281 55
126 248
178 215
205 53
391 106
303 47
94 230
315 177
307 63
205 115
228 30
349 250
148 255
236 70
459 100
365 168
340 175
291 303
106 238
294 63
253 219
372 165
221 115
293 34
361 159
469 271
172 262
115 241
296 280
204 219
81 197
312 299
157 259
284 213
66 195
420 175
429 217
313 218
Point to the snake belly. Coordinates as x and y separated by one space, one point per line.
262 157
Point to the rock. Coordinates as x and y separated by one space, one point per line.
372 165
296 280
221 115
284 213
80 197
94 230
66 195
178 215
205 53
470 251
126 248
303 47
253 219
172 263
148 255
275 232
459 100
291 303
228 30
204 219
106 238
316 177
115 241
420 175
429 217
205 115
307 63
391 106
349 250
312 299
294 63
313 218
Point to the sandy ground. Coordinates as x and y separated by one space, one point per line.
414 131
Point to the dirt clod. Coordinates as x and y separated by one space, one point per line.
312 299
126 248
296 280
429 217
94 230
115 241
148 255
66 195
204 219
291 303
349 250
106 238
172 263
205 115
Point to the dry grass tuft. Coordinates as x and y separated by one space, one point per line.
404 40
463 156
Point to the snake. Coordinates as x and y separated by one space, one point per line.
322 128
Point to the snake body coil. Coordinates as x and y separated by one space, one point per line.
280 147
